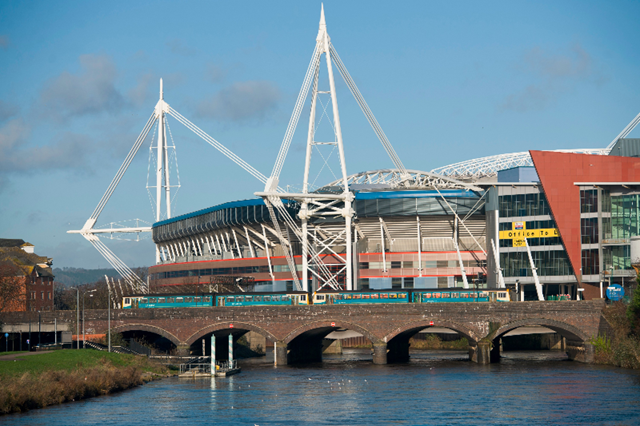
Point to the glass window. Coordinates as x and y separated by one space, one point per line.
408 282
590 262
549 263
396 282
589 201
589 230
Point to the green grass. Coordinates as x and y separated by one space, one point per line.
69 360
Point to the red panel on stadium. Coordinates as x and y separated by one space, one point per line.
558 173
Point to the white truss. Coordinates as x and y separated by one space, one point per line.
90 233
407 179
484 167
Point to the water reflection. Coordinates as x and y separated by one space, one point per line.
435 387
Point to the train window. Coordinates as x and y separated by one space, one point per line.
230 299
161 300
303 297
402 295
320 297
258 298
502 295
375 296
127 301
455 295
338 296
427 295
239 298
436 295
367 296
249 298
179 300
267 298
393 296
207 298
144 301
445 295
198 299
286 297
153 300
384 295
171 299
188 299
352 296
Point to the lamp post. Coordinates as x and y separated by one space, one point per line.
109 316
611 275
84 338
77 318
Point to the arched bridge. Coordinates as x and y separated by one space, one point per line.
298 331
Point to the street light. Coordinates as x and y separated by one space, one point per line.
84 338
109 315
77 318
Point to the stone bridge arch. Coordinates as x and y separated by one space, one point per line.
316 325
395 346
241 326
149 329
570 332
470 333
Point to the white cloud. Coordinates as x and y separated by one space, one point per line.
242 101
92 91
554 75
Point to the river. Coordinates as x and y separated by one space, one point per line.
434 388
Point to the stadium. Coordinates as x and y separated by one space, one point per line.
544 223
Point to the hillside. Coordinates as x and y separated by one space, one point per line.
72 277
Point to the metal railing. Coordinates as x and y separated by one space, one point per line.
205 367
195 368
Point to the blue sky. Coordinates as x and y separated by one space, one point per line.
448 81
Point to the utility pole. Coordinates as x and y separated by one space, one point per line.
109 316
77 318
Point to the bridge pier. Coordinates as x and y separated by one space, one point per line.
380 353
480 353
580 351
183 350
281 350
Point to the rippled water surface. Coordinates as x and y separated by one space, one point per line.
435 388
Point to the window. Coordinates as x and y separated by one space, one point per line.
42 295
364 265
396 265
396 282
589 201
127 301
408 282
49 293
363 283
589 230
549 263
443 282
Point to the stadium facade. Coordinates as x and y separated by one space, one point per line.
570 218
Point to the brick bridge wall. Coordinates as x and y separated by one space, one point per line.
298 330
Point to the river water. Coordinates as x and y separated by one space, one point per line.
434 388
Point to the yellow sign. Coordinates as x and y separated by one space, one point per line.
528 233
519 243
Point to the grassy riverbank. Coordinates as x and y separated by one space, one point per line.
38 380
